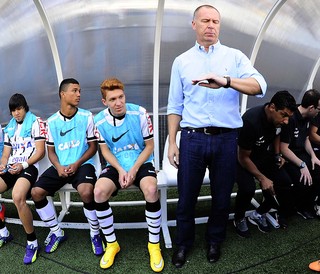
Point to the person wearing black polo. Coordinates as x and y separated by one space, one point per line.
302 165
314 136
257 160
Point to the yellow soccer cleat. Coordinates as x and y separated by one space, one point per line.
315 266
156 260
108 258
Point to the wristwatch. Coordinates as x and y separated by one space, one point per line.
228 81
302 165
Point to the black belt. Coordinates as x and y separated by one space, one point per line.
211 130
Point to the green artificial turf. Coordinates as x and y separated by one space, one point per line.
280 251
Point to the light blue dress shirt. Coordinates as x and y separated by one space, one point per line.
204 107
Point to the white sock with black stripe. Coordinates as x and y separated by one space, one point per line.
153 219
105 218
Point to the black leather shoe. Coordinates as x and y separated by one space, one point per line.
179 257
213 254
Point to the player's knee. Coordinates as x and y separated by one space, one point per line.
19 199
86 195
37 194
101 195
151 192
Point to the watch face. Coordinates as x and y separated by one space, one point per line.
302 165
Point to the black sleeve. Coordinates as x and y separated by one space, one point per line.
247 136
285 133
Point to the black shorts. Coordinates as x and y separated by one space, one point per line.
145 170
51 182
30 173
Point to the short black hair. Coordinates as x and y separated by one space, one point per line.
18 100
310 98
283 99
64 84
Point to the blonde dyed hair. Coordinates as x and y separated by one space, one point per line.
109 85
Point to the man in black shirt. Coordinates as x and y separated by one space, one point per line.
257 160
314 136
302 165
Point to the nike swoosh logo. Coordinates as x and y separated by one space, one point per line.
118 138
62 133
159 265
103 262
87 177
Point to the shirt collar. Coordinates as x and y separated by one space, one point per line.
211 48
299 115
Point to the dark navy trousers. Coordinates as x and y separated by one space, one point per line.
198 152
